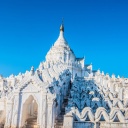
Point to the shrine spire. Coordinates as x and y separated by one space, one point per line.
62 25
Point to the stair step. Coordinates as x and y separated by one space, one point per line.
58 126
31 126
59 121
60 118
32 123
32 120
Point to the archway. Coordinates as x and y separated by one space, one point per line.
29 112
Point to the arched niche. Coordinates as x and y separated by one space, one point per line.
29 110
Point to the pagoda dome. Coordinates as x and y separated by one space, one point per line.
61 41
60 51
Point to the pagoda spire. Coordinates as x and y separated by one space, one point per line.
62 25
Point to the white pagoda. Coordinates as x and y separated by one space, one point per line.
63 92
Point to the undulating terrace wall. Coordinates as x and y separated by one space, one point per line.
91 104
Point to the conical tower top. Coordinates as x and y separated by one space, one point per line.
62 26
60 51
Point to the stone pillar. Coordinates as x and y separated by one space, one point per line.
50 112
50 115
54 114
16 111
43 110
68 121
9 113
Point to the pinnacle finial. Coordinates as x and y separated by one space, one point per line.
32 70
62 25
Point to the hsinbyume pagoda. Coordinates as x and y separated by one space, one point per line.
63 92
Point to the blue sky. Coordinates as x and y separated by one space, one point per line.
97 29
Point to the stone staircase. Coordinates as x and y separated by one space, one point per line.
59 120
1 125
32 121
